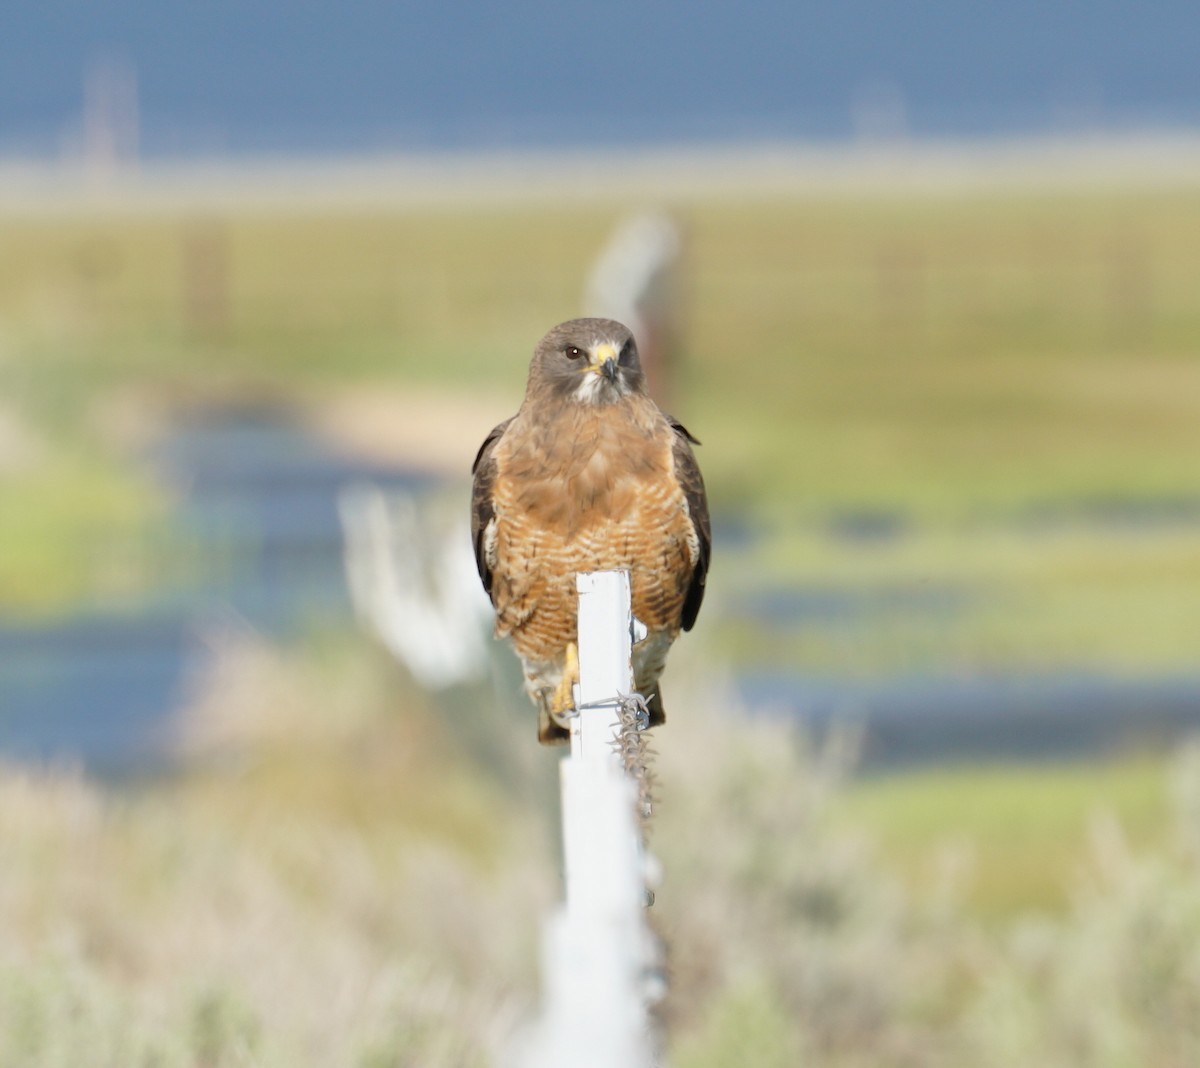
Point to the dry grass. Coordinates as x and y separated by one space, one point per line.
341 876
794 943
324 886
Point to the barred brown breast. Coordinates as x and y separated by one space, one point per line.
589 475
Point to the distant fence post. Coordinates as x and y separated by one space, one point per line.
597 950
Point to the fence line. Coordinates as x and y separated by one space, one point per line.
599 958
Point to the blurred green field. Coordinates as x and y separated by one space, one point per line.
981 351
959 364
1018 834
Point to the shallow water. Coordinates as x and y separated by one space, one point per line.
260 542
909 719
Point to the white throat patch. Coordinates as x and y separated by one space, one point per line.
595 388
589 389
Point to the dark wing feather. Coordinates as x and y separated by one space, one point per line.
482 512
687 471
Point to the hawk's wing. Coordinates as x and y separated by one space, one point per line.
482 512
688 473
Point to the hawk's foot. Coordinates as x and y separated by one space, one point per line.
556 708
562 707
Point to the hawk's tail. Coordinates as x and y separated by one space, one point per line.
654 703
550 730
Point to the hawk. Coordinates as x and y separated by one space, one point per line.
589 475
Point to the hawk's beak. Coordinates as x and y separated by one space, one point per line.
604 362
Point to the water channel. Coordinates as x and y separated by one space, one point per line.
261 539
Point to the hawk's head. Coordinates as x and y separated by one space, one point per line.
590 361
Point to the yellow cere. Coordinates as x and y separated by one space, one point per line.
600 354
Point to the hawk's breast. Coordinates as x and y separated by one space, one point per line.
593 491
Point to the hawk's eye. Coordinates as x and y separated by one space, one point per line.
626 356
574 353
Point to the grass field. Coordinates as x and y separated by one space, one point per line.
1006 383
1018 836
956 362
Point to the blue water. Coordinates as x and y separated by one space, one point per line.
928 718
277 76
96 690
259 540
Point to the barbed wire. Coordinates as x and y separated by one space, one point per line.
635 752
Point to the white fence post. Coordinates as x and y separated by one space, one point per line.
597 948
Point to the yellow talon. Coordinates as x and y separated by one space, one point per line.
556 707
564 696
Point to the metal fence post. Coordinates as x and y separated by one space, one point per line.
597 947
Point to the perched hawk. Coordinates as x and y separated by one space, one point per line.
589 475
